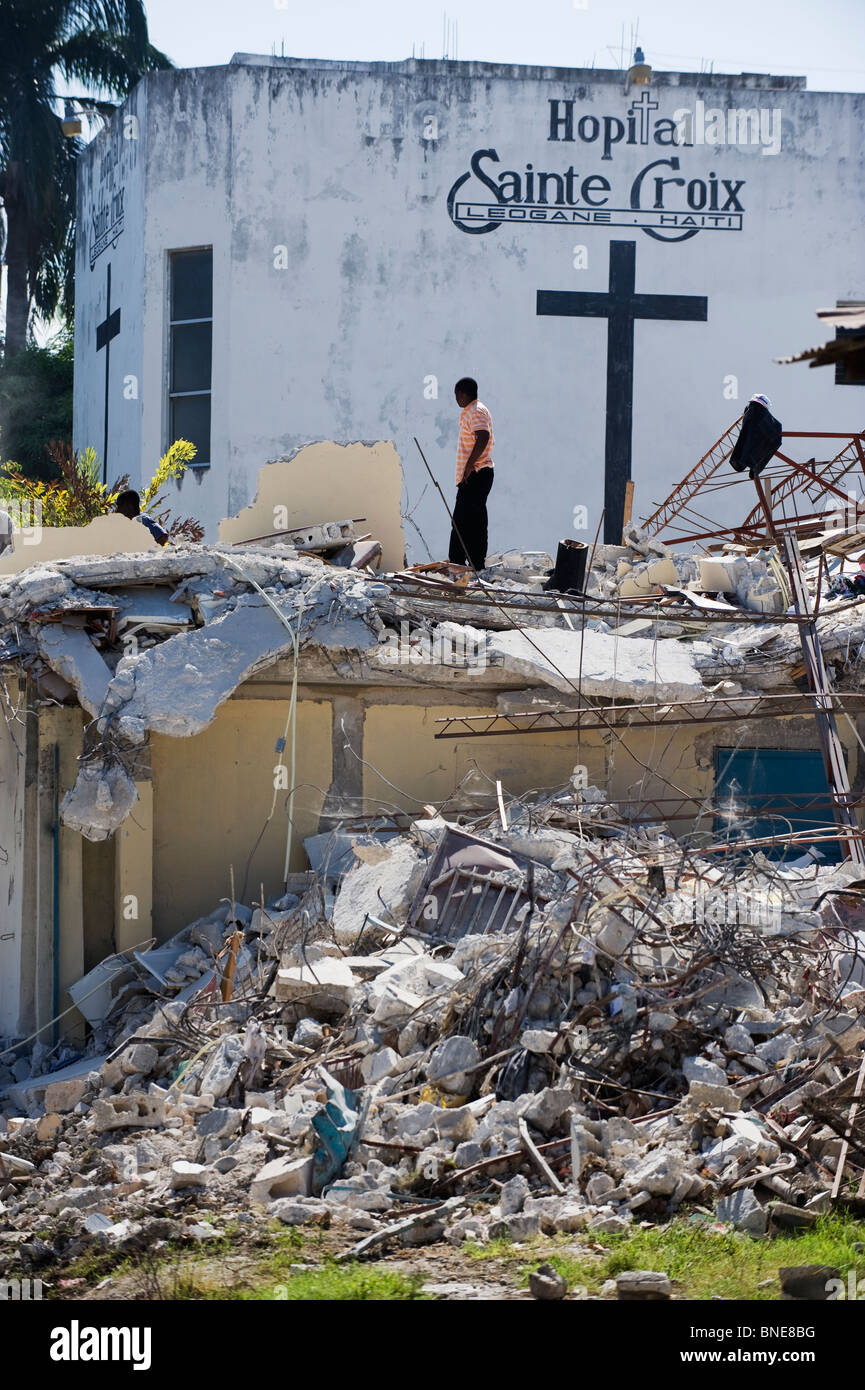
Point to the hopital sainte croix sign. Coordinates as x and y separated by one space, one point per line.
106 223
107 213
658 199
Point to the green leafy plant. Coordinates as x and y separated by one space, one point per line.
173 464
80 495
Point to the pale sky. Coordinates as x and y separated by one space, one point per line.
823 41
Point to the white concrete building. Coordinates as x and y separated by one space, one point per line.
353 237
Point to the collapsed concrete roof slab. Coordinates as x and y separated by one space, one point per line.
70 653
599 663
133 567
321 479
31 590
250 601
180 684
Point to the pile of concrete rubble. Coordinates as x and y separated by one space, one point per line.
448 1031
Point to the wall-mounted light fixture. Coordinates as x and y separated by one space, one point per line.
71 123
639 73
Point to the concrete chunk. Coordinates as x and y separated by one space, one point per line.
282 1177
69 651
743 1212
718 1097
446 1066
62 1096
185 1175
326 984
546 1283
136 1111
701 1069
100 800
222 1066
643 1284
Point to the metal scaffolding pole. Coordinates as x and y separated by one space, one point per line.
718 710
818 681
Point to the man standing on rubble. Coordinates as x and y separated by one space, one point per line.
468 544
129 504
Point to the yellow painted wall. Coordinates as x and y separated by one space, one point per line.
212 794
399 743
104 535
65 725
329 482
133 874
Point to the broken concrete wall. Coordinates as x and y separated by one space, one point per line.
105 535
321 480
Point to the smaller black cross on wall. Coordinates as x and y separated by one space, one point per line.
105 331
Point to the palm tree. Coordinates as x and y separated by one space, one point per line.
102 44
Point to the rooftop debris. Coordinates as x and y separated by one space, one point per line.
155 642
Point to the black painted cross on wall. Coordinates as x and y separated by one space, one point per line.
620 307
105 331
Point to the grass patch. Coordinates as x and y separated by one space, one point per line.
703 1262
221 1268
275 1240
342 1283
502 1248
221 1272
91 1267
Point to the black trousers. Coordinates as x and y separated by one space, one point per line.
470 520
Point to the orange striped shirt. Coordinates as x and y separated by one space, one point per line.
474 417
